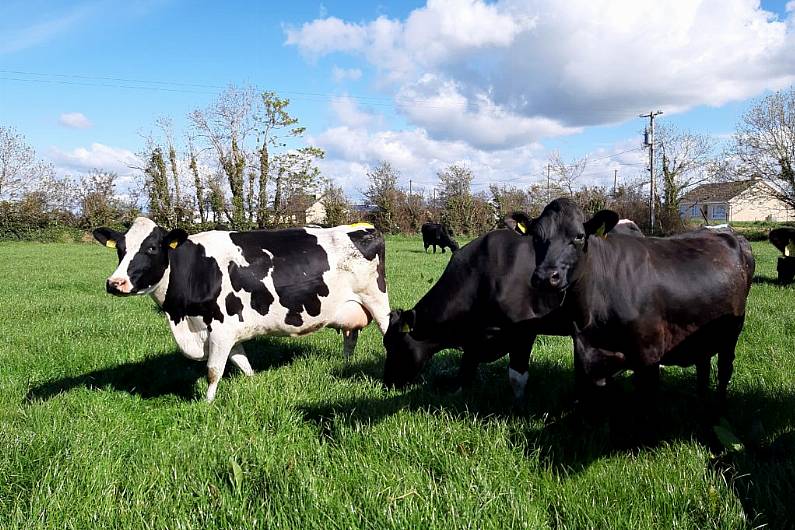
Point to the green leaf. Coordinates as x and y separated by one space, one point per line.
236 476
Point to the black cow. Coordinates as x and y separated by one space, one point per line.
483 304
219 289
637 303
784 240
437 235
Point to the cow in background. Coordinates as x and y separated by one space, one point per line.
784 240
219 288
437 235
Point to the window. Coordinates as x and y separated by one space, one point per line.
719 212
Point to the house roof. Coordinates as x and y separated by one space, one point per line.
718 192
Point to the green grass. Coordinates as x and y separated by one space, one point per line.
103 424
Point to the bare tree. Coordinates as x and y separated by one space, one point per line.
764 144
20 170
684 163
566 174
225 124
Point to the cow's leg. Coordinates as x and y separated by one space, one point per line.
518 370
434 249
443 249
426 248
467 369
725 370
239 359
216 362
703 367
349 342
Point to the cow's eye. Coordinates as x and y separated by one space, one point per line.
151 250
580 238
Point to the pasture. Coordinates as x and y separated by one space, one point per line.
103 423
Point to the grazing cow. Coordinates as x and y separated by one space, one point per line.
483 304
637 303
219 289
436 234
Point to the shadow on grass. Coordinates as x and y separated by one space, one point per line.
762 474
766 280
170 374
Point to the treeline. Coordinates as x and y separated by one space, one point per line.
242 162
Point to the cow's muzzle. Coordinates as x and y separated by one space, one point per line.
547 279
118 286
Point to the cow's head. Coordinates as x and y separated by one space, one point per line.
405 356
560 239
143 255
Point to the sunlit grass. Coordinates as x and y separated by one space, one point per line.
103 424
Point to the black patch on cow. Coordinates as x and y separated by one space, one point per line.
371 244
194 285
250 279
234 306
149 264
298 266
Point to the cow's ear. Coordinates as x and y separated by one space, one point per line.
520 222
107 237
601 223
175 238
407 320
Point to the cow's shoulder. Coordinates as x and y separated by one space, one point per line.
195 281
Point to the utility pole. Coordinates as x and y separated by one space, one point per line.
648 141
615 179
409 187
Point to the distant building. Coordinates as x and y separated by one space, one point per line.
741 200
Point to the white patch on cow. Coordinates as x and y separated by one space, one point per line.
518 383
789 250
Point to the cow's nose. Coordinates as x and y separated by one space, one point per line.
554 279
117 285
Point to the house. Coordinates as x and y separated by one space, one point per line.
741 200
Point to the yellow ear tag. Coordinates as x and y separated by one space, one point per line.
601 232
174 244
110 243
522 228
405 328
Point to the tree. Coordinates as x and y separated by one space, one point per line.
508 199
157 187
382 193
198 183
565 174
97 202
336 204
683 163
273 125
764 145
20 170
297 181
455 189
225 124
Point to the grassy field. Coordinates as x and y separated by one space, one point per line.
103 424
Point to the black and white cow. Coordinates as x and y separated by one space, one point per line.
437 235
636 303
483 304
219 289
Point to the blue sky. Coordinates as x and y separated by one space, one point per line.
495 86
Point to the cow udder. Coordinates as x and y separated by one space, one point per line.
351 316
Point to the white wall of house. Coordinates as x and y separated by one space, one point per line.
752 205
316 214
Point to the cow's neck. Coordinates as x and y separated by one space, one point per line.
159 294
588 296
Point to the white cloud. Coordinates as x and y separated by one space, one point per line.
348 113
345 74
75 120
494 74
97 156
